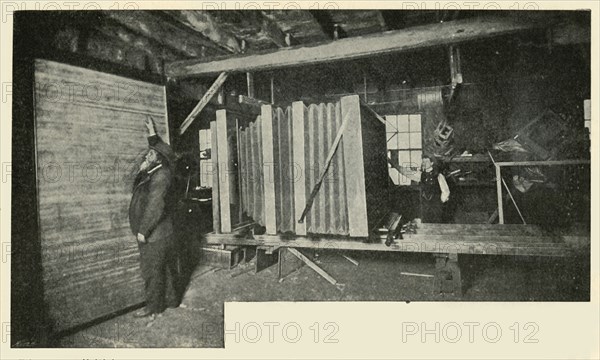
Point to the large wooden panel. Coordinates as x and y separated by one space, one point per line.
216 205
223 154
268 170
355 175
298 121
90 139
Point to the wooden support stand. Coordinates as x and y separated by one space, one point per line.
265 259
447 280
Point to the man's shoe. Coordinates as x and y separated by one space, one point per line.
143 313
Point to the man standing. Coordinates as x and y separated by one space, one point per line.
434 190
151 223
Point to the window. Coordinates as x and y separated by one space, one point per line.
404 144
206 173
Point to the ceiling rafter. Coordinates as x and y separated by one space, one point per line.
204 23
148 24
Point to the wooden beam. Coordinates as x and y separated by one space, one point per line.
216 206
250 101
223 166
499 195
543 163
316 268
268 165
354 168
358 47
512 245
250 84
203 22
151 26
203 102
119 32
272 30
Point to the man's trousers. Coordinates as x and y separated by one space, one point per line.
158 263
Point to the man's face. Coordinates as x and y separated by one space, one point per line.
150 159
426 164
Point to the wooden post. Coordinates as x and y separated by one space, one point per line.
268 170
272 90
250 84
223 157
499 194
215 174
299 177
354 167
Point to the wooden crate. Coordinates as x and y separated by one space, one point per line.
226 258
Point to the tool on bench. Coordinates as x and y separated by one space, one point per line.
394 230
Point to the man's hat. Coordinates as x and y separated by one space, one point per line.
165 150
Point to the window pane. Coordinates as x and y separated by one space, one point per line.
404 158
415 140
403 123
415 123
416 158
403 141
392 141
390 124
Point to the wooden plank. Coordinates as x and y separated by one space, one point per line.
261 167
242 168
268 169
216 205
223 156
357 47
311 150
499 194
277 167
354 167
330 179
298 164
238 181
287 161
544 163
250 84
315 267
495 245
342 205
318 206
474 229
252 172
214 88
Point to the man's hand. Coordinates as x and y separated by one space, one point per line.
149 122
141 238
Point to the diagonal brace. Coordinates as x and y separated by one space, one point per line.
214 88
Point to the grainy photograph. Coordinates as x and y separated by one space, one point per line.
168 161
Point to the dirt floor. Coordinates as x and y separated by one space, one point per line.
198 322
